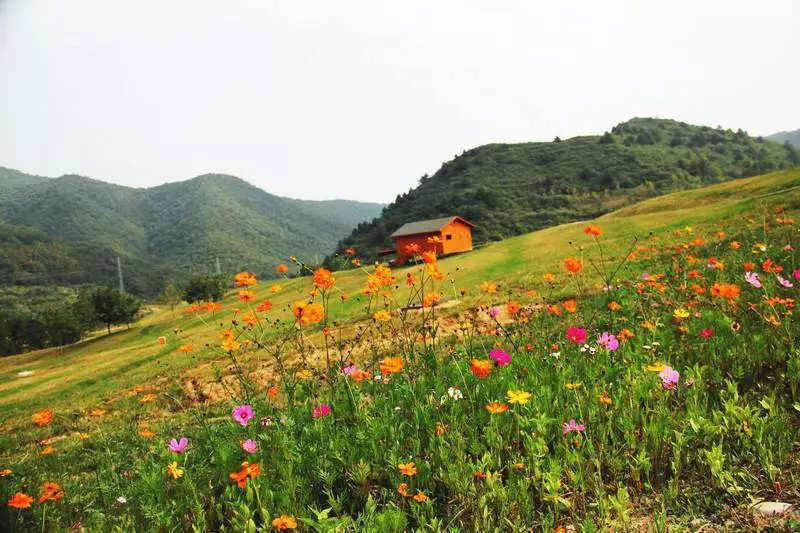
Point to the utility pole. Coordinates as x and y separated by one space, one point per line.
119 271
219 270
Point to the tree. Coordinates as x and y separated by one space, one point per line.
205 288
112 307
170 296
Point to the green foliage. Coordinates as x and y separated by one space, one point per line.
170 296
791 137
510 189
70 230
112 307
205 288
53 324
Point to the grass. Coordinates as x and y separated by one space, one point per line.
726 432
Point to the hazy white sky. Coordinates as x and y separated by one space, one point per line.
358 99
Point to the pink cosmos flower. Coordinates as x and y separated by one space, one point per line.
645 275
573 426
350 369
669 378
785 282
797 273
178 446
250 446
707 333
493 312
753 279
576 335
500 357
243 414
321 410
609 341
788 248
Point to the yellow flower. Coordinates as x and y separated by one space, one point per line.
230 345
518 396
496 408
275 289
382 316
604 398
409 469
489 288
573 386
305 375
147 398
174 470
284 521
420 497
681 313
657 367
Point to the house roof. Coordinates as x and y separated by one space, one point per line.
427 226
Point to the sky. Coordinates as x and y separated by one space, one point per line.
358 99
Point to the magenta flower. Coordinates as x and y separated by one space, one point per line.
797 273
250 446
493 312
707 333
178 446
785 282
608 341
321 410
753 279
576 335
788 248
571 426
350 369
500 357
645 275
243 414
669 378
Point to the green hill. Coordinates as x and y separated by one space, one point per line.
510 189
792 137
69 230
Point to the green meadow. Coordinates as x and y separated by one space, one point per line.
563 434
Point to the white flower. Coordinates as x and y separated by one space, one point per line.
455 393
122 500
555 355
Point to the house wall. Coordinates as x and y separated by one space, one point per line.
421 239
460 237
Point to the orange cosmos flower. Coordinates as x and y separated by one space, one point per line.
408 469
147 398
402 488
382 316
573 265
496 408
390 365
489 288
272 392
549 278
513 307
323 279
429 257
625 335
250 318
431 298
480 367
593 230
614 306
43 418
604 398
735 245
312 314
282 269
410 279
570 305
248 471
350 251
146 433
266 305
284 521
97 413
51 492
47 451
412 248
245 279
213 306
186 348
246 295
20 501
356 262
193 309
5 472
420 497
230 345
275 289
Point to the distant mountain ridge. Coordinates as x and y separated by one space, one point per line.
793 137
510 189
70 229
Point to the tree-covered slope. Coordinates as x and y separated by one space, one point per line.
70 230
792 137
509 189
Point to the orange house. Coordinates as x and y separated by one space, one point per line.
444 235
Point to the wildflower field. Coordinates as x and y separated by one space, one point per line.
636 372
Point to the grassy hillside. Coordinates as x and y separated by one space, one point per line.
792 137
509 189
653 388
76 227
100 368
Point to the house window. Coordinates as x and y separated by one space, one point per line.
448 237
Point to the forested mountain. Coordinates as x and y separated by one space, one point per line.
793 138
70 230
509 189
